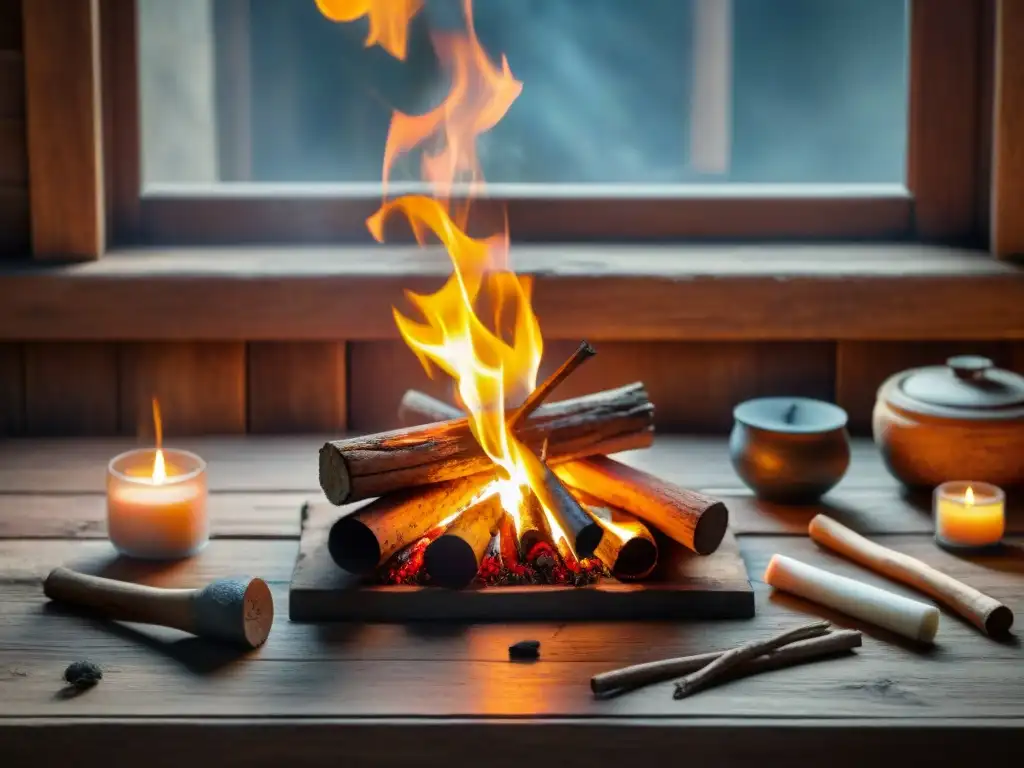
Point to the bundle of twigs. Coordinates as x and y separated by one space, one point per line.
796 646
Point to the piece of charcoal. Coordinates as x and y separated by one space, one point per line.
525 649
83 674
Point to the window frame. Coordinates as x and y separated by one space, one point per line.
945 199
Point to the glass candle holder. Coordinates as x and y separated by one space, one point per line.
969 515
156 517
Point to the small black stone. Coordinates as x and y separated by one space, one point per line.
83 674
525 649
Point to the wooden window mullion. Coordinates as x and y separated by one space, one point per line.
63 117
1007 192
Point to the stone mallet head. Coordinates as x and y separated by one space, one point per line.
238 611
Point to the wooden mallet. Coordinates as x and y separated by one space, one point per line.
238 611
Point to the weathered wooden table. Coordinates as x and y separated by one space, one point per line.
415 695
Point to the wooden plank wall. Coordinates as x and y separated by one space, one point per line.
14 208
71 389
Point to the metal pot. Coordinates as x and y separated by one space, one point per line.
960 421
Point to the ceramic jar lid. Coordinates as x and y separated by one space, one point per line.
968 387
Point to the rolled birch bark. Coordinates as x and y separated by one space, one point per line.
988 614
888 610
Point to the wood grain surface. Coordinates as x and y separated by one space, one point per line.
10 24
12 84
294 213
14 218
122 156
288 463
15 236
13 151
71 389
846 743
62 75
201 387
400 682
296 387
693 385
647 293
12 390
1008 156
945 92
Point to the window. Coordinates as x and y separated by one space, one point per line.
265 121
615 91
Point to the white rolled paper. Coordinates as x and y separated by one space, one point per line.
910 618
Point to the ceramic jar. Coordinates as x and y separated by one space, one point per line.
789 450
960 421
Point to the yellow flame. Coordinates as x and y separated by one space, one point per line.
969 496
159 468
488 364
389 20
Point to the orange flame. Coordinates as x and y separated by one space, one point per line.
969 496
486 365
389 20
159 467
479 96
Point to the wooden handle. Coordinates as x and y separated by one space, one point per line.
122 600
986 613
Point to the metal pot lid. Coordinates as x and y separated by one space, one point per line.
965 382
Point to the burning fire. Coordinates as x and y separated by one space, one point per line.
486 364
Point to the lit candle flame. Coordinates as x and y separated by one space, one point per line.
159 468
969 496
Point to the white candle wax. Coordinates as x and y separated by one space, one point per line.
899 614
153 518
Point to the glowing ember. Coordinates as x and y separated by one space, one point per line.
487 365
542 566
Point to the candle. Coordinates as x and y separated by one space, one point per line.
156 502
969 515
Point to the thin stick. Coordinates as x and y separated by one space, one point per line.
630 678
703 676
540 394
